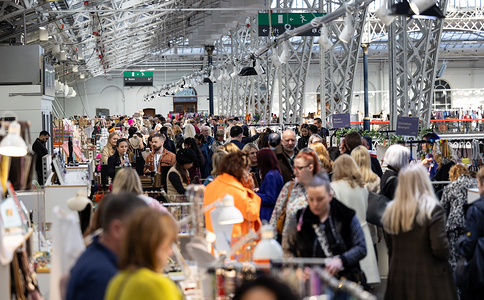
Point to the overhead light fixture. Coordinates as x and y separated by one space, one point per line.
56 49
212 77
383 14
431 13
275 59
229 213
286 53
234 73
268 248
258 68
324 42
63 55
404 9
13 144
226 75
75 69
81 76
43 34
419 6
349 30
220 76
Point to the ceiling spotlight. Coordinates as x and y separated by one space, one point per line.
63 55
348 31
43 34
234 73
419 6
81 76
212 77
324 42
383 14
258 68
220 76
75 69
286 53
226 75
275 59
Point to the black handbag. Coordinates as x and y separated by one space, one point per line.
376 207
468 275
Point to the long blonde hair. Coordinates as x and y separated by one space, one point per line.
345 168
127 180
414 201
362 158
323 156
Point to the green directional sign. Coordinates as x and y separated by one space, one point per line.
138 78
138 74
282 22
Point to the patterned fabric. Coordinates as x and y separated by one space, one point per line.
297 201
453 200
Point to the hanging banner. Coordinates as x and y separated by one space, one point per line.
341 121
407 126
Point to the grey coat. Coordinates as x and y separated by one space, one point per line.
419 267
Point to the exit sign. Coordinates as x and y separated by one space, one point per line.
138 78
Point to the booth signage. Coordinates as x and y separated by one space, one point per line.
341 121
138 78
282 22
407 126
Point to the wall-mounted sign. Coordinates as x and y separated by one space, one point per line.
282 22
138 78
341 121
407 126
184 99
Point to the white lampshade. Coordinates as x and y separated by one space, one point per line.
230 214
13 144
275 59
63 55
286 54
56 49
324 42
81 76
75 69
349 30
384 15
43 35
419 6
221 76
234 73
268 247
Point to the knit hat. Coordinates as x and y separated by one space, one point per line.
185 156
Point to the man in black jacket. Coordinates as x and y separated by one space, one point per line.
286 153
40 150
353 140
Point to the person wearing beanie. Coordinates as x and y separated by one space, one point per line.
178 177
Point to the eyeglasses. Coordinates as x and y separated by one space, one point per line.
301 168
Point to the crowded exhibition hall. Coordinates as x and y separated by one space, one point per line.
241 150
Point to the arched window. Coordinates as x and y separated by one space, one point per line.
442 95
186 92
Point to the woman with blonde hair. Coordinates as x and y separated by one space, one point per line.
349 188
417 241
189 131
147 248
323 156
216 160
251 149
128 181
110 147
230 148
362 158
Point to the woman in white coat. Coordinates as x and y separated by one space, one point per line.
349 188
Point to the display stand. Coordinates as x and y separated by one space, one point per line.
11 244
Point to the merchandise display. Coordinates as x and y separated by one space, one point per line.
241 150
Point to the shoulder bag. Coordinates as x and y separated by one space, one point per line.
376 206
282 218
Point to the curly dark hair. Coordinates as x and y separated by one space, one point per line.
235 164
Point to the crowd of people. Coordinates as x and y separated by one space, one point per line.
314 196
